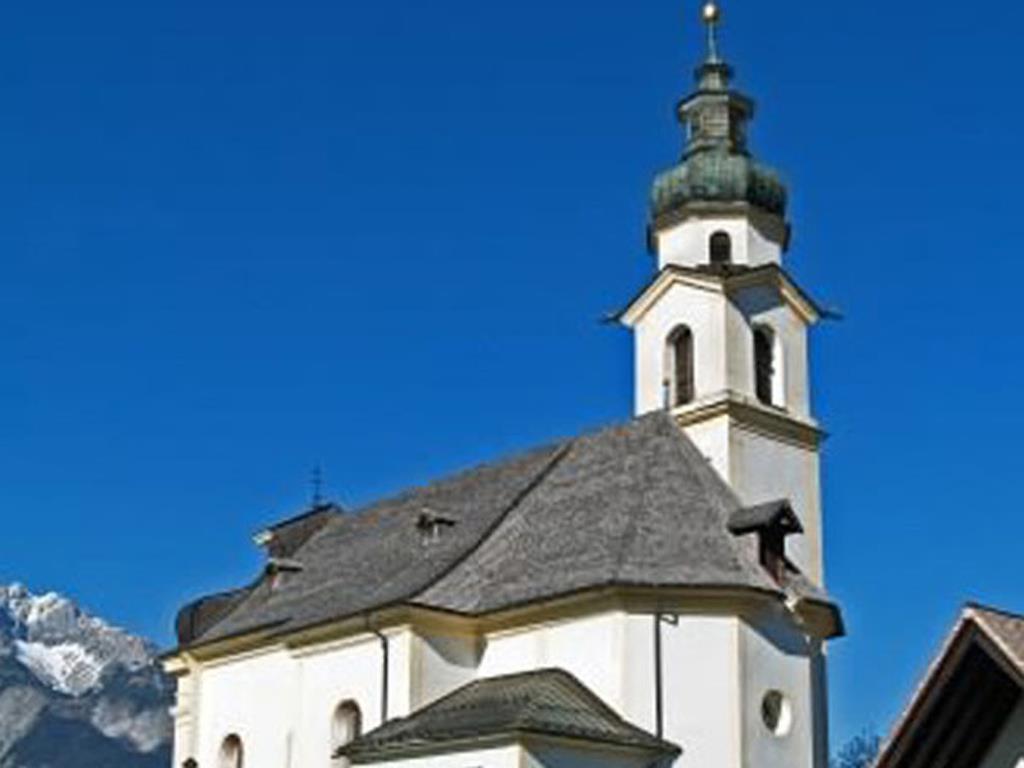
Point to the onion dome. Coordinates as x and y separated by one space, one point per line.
716 166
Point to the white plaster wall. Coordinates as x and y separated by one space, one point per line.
686 244
592 649
582 757
1008 749
775 657
511 756
442 664
762 305
280 702
184 713
723 338
348 671
613 655
703 311
762 469
255 698
701 673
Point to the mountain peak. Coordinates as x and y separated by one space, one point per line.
64 670
66 648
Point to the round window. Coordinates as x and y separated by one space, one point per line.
776 713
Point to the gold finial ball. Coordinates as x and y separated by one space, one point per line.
712 13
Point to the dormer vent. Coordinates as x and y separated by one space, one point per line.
282 540
279 569
432 525
773 523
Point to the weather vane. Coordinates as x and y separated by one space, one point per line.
712 15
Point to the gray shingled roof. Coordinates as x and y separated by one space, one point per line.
548 702
632 505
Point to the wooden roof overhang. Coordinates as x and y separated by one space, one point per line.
961 708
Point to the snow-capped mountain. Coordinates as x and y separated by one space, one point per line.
76 692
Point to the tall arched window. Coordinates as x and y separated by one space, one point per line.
232 754
346 725
764 364
679 378
720 248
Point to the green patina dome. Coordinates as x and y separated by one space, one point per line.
718 176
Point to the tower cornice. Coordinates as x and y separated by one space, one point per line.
724 281
751 416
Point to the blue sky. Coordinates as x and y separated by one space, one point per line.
239 240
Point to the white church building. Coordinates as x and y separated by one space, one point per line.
650 594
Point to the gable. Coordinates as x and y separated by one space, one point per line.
967 699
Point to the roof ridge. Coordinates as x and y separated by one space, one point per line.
972 605
632 530
557 457
498 461
997 637
706 475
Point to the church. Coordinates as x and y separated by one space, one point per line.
647 595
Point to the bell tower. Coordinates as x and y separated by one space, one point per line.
721 332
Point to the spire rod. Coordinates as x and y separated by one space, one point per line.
712 16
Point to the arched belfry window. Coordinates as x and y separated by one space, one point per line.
232 753
766 366
720 247
679 368
346 726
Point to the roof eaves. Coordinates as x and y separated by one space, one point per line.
373 753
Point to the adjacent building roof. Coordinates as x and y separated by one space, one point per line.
547 702
967 696
632 505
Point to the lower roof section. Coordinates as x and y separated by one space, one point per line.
548 703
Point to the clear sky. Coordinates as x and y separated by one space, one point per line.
240 239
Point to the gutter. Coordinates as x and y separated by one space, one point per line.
659 686
659 693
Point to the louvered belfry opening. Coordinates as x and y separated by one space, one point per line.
764 364
680 368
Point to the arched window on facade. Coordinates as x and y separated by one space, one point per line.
766 370
679 368
720 247
232 753
346 725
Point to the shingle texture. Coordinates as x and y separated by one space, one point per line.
544 702
632 505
